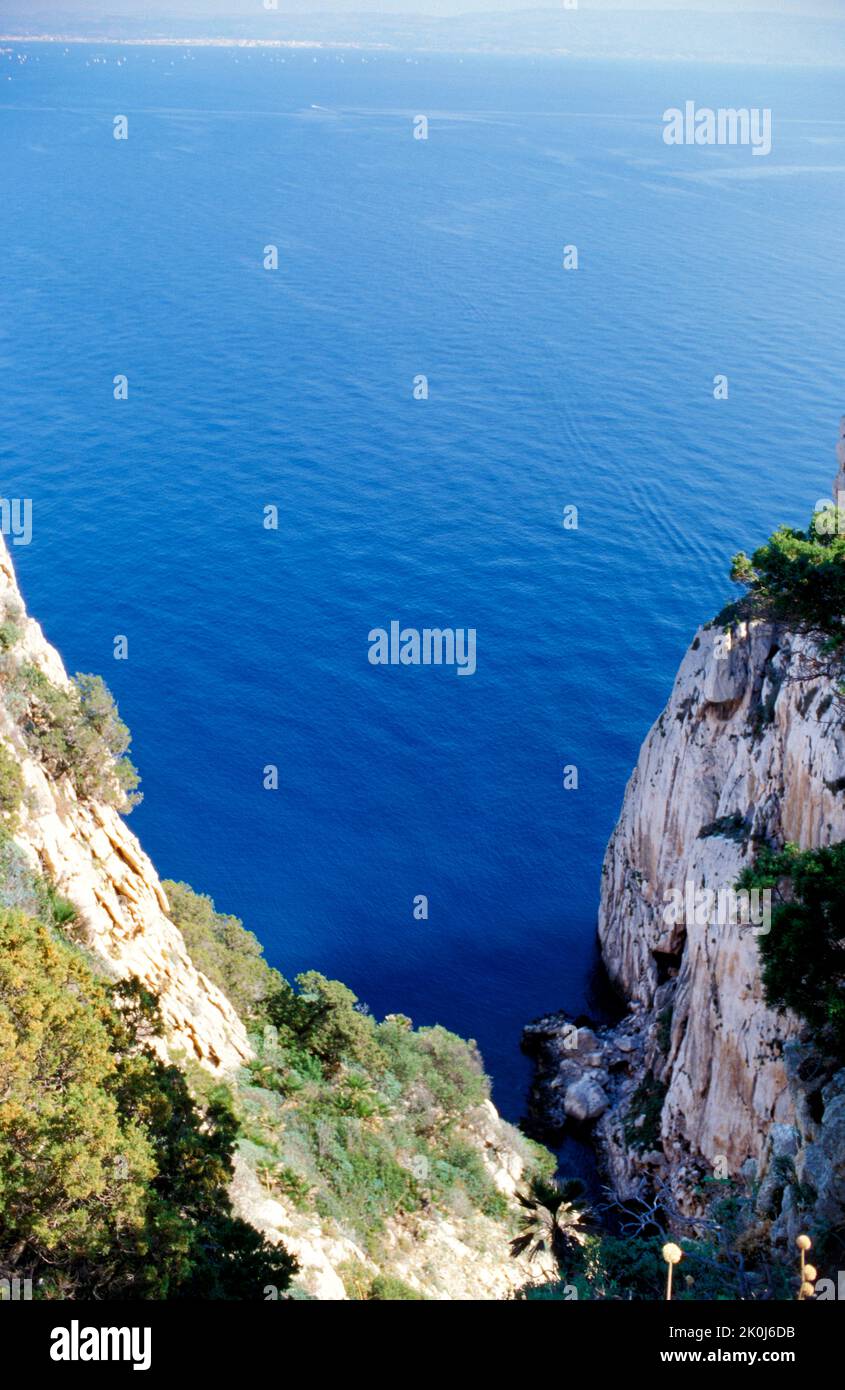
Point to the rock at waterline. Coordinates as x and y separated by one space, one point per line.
584 1100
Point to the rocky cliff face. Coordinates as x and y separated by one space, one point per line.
751 745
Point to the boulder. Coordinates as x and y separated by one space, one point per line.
585 1100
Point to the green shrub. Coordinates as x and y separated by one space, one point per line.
356 1279
11 789
459 1162
439 1074
647 1101
222 948
20 888
282 1179
62 911
323 1018
62 1135
362 1180
800 575
558 1292
803 953
387 1287
24 890
541 1163
625 1267
113 1183
77 733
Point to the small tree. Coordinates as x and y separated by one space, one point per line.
222 948
323 1018
555 1220
11 789
73 1173
100 717
800 575
76 732
804 952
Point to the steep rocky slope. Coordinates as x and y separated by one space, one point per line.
438 1255
701 1077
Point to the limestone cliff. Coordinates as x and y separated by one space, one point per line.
750 746
700 1074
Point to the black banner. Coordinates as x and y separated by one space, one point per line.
88 1340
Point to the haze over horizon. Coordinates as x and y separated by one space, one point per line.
246 9
734 31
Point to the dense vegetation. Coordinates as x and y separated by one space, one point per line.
114 1166
222 948
803 954
355 1120
113 1181
76 733
11 790
800 575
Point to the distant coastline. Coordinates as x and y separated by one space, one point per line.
187 43
372 46
751 38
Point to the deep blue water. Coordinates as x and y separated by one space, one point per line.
249 388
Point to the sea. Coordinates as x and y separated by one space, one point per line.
426 414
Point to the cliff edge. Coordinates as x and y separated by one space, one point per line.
701 1077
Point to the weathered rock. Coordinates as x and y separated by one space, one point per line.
776 1167
811 1170
584 1100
